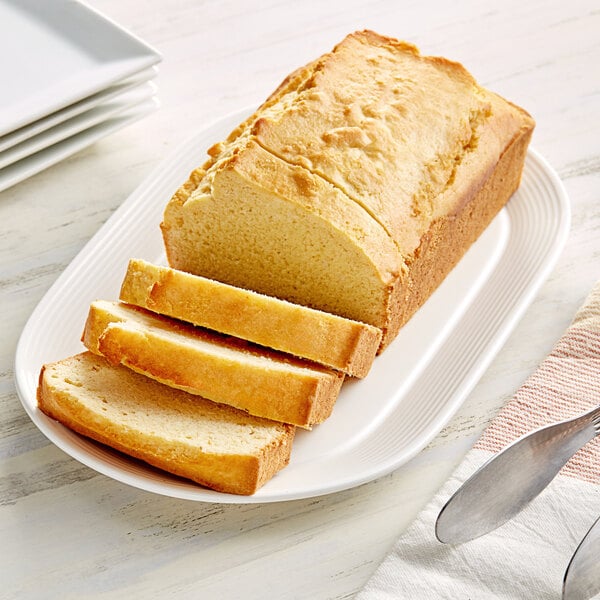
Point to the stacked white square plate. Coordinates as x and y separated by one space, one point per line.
70 76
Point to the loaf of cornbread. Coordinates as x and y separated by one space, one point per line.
211 444
356 187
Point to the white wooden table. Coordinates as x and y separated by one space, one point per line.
68 532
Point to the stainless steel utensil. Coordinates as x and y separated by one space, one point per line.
582 577
506 483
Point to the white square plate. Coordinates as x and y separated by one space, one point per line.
34 163
72 110
58 53
379 422
76 124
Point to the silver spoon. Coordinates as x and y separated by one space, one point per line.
582 577
506 483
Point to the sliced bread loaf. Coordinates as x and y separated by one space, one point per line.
356 187
223 369
346 345
211 444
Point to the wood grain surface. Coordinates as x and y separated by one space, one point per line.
68 532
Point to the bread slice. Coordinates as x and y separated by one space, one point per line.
342 344
223 369
356 187
213 445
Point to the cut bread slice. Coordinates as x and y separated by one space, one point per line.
214 445
223 369
328 339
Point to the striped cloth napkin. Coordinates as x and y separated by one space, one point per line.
526 557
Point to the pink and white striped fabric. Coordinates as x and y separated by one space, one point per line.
526 557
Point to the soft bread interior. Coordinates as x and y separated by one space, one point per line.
213 445
295 235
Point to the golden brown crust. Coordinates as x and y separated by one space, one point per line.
346 345
383 124
231 473
449 238
292 82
